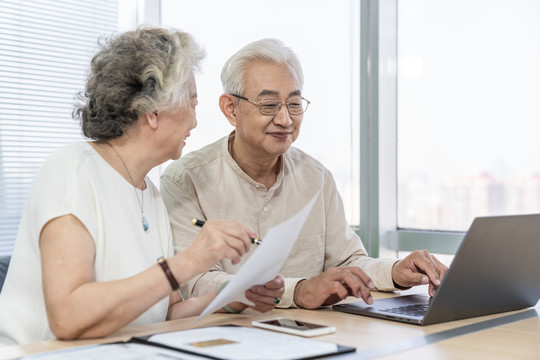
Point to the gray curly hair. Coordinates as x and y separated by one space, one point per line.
136 73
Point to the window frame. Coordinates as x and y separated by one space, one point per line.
378 141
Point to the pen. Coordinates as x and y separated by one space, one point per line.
200 223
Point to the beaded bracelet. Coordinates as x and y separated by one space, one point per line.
163 263
227 307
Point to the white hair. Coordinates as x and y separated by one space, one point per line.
268 50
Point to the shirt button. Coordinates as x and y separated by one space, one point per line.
265 209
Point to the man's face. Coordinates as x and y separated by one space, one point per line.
268 136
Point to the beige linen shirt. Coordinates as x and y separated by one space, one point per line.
208 184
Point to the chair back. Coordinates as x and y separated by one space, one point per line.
4 264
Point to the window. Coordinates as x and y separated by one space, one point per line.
457 85
468 115
45 51
460 80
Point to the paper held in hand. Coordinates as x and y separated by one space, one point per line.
265 263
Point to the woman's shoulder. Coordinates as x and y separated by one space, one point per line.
72 149
72 152
72 158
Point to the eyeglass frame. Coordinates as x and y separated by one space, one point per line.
259 105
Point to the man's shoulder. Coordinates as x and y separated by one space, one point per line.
299 157
197 159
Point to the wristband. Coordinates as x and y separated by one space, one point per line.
163 263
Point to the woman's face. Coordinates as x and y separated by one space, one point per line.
178 123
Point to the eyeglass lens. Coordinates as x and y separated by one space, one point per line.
295 107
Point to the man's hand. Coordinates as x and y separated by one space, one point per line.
419 268
332 286
268 296
265 297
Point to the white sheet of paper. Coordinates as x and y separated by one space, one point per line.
265 263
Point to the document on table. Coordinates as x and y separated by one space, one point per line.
122 351
239 343
265 263
215 342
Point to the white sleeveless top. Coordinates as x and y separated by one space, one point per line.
76 180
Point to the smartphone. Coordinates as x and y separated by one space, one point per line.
295 327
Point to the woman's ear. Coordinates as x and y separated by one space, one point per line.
152 119
227 104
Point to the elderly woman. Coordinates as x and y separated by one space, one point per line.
94 249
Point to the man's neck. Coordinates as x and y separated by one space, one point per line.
263 170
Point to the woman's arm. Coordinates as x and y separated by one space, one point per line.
79 307
190 307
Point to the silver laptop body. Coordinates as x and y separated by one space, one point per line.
495 269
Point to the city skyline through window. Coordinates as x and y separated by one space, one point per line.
468 115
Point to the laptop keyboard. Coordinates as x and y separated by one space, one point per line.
412 310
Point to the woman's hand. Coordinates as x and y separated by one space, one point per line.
217 240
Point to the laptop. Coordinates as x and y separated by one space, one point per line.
495 269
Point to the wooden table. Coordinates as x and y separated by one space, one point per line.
372 338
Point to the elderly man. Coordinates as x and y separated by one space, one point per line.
255 176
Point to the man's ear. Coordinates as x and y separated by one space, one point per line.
152 119
227 104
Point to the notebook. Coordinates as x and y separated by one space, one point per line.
495 269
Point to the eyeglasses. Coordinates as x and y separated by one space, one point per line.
296 105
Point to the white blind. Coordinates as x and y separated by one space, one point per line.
45 52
